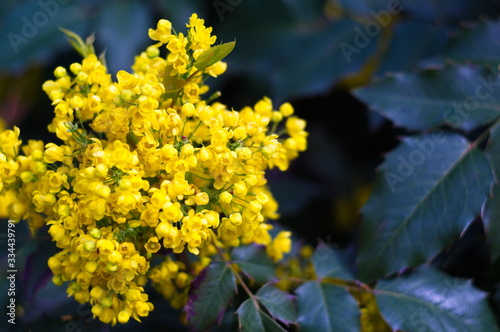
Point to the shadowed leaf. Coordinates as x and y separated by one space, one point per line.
427 192
429 300
209 295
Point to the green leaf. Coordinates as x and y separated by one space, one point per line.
493 149
411 43
461 96
327 264
429 300
279 303
477 44
254 261
214 55
326 307
491 219
491 211
251 318
209 295
85 48
427 192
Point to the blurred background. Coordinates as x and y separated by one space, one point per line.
310 53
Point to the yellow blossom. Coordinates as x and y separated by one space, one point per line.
144 161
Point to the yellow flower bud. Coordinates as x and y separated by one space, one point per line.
240 189
111 267
107 302
204 154
201 198
244 153
254 206
97 292
63 210
27 176
95 233
225 197
152 52
252 128
125 184
54 263
268 151
101 170
262 198
286 109
77 102
235 218
103 191
276 116
57 280
91 266
123 317
37 155
75 286
89 245
250 180
60 72
97 309
181 279
40 167
75 68
82 77
240 133
115 257
187 109
187 150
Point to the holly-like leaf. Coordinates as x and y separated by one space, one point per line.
327 264
493 150
427 192
491 219
326 307
491 210
429 300
214 55
251 318
477 44
412 42
461 96
254 261
209 295
279 303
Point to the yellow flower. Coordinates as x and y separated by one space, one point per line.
145 159
280 245
202 198
123 317
152 245
162 32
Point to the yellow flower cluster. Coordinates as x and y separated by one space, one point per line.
146 166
